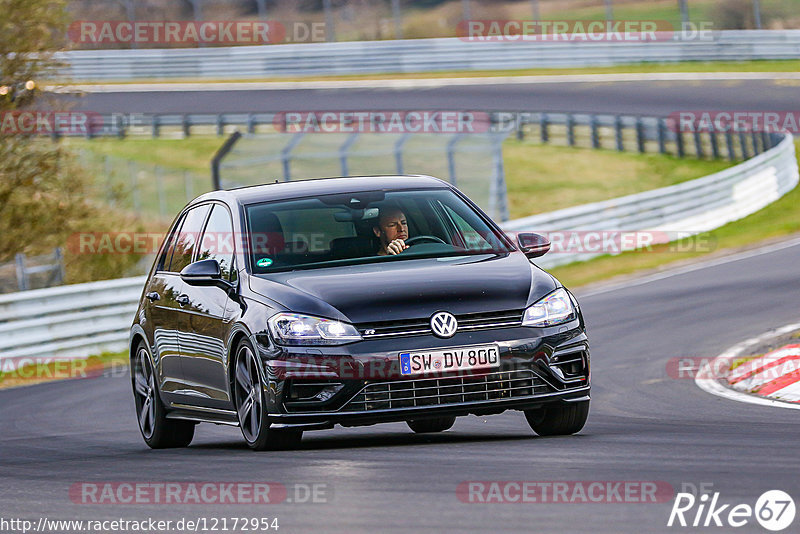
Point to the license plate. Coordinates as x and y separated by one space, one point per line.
452 359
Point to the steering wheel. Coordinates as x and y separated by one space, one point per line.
417 239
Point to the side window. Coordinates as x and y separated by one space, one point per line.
217 241
169 247
473 240
186 240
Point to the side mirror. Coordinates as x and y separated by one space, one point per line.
533 245
204 272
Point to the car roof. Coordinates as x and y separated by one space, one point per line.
322 186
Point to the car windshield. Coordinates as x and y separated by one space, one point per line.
354 228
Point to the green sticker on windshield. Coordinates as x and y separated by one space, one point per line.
264 262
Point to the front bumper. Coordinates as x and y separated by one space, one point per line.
363 386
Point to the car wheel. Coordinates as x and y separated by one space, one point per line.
425 426
251 406
558 419
158 431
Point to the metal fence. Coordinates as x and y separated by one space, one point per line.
600 131
678 211
419 55
53 322
472 161
30 272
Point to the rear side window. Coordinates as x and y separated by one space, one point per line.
187 237
217 241
169 248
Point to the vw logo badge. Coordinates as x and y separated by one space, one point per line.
444 324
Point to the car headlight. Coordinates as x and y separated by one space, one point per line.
297 329
555 308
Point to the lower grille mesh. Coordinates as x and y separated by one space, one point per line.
439 391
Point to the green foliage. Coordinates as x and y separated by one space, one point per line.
44 195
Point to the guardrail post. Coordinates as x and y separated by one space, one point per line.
398 152
543 132
571 129
712 135
187 126
520 121
640 135
156 126
743 143
22 276
618 133
251 123
679 143
729 145
451 161
61 275
756 148
120 126
661 128
343 151
220 125
593 124
698 143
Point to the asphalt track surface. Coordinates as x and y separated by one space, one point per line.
643 426
658 98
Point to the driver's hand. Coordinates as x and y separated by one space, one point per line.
396 247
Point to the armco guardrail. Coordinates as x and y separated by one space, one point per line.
83 319
68 321
680 210
419 55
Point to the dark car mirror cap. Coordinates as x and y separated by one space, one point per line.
533 245
204 272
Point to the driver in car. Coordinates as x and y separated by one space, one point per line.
391 229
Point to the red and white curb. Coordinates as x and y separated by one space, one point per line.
772 379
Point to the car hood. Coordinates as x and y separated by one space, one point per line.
409 289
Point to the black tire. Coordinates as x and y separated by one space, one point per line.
426 426
158 431
250 402
559 419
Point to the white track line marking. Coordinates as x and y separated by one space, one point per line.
703 264
713 386
422 83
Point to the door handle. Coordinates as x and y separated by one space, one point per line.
183 300
153 296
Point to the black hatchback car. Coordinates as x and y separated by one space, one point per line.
296 306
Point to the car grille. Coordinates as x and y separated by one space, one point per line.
441 391
421 327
